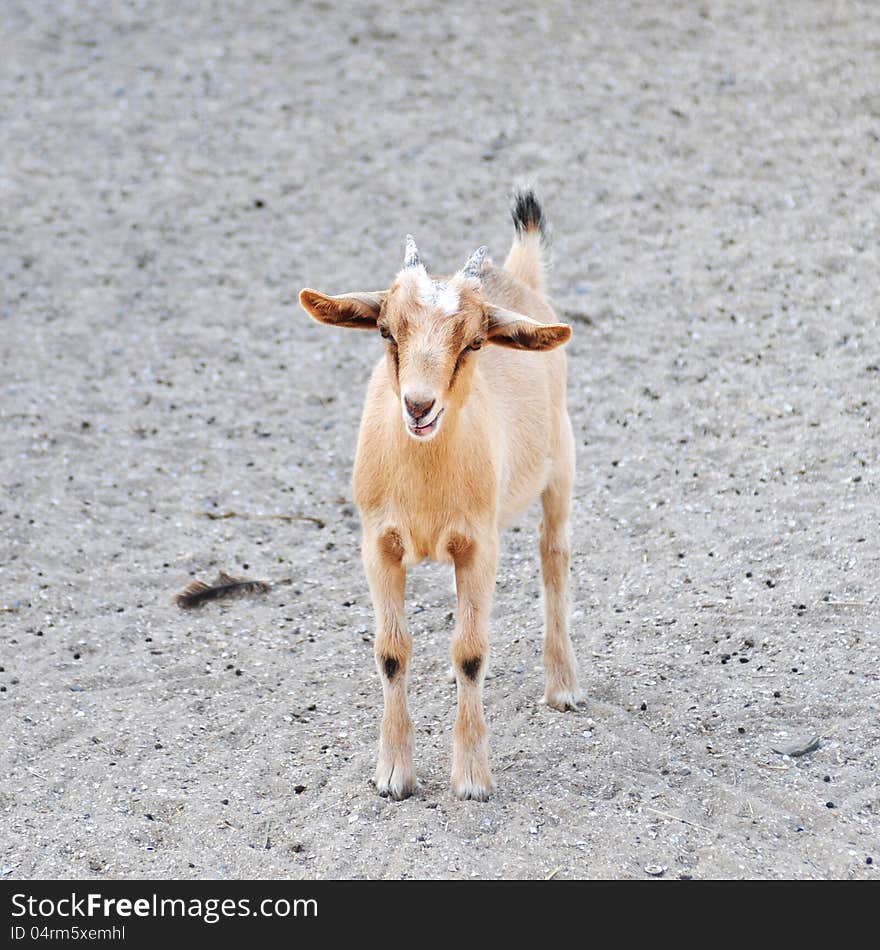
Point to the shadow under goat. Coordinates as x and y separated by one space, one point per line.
464 425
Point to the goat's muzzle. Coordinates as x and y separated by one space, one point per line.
418 408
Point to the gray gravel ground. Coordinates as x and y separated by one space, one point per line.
172 173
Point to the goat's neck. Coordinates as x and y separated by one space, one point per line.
434 454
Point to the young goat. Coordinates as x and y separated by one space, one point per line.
453 444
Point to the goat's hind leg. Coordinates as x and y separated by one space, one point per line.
560 665
383 563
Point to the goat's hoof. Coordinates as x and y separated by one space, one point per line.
395 780
565 700
472 784
471 791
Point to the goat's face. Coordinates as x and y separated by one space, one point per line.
432 331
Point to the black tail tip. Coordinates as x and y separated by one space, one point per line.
527 213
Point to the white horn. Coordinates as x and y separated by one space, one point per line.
411 255
475 262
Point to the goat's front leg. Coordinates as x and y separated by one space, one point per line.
383 563
475 566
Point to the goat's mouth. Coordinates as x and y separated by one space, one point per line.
427 430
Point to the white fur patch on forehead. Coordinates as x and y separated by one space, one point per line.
432 293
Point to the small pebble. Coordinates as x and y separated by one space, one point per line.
798 748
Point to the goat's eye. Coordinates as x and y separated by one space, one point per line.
385 333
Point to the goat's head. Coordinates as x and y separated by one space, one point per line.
433 329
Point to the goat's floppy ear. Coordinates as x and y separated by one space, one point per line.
508 328
359 310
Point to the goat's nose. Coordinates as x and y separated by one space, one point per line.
418 408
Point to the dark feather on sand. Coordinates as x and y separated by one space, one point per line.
198 592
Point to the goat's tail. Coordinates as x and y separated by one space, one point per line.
526 257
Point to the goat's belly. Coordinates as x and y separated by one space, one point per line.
521 493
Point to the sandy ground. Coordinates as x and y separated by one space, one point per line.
172 173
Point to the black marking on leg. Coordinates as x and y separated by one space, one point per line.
390 665
471 668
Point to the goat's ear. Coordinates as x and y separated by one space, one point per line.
508 328
359 310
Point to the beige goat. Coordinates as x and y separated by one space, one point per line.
453 445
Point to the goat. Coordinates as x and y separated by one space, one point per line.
464 424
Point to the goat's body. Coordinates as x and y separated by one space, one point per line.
444 494
506 443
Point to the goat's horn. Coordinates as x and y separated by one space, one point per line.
474 262
411 255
